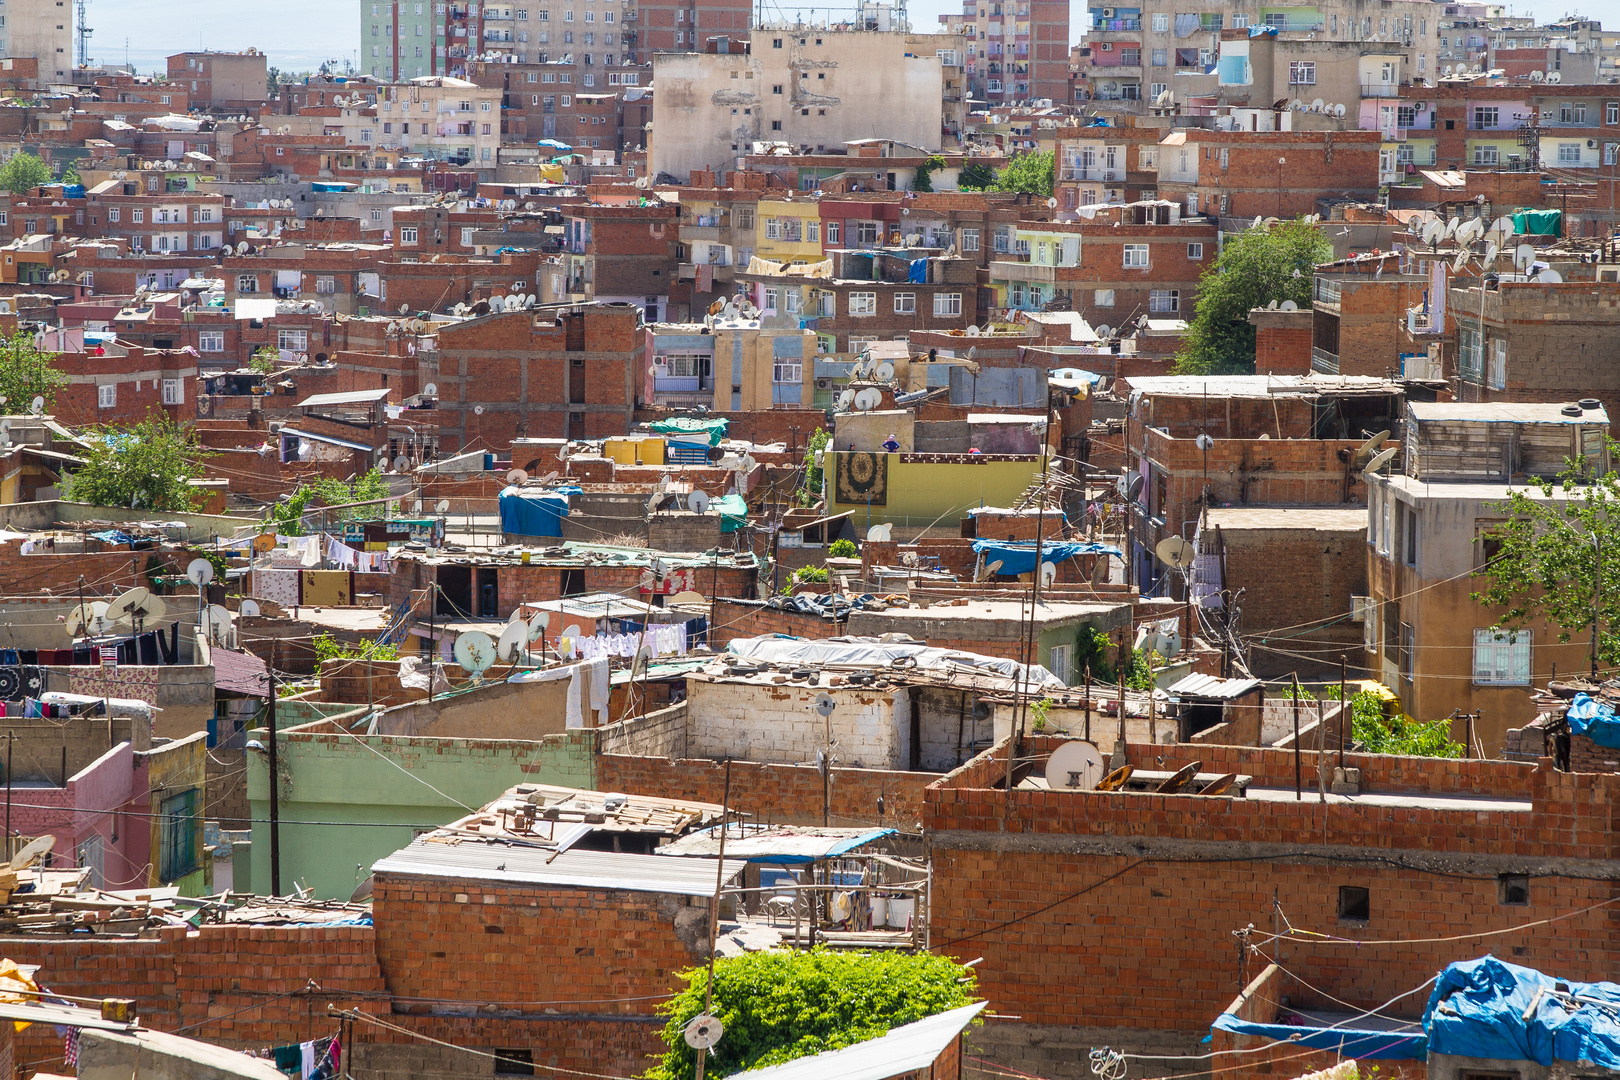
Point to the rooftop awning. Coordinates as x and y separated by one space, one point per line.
353 397
333 440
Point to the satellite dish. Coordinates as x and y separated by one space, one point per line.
478 410
516 476
32 851
1432 232
1549 277
1367 449
688 597
1287 305
697 502
430 390
1048 573
401 463
1104 330
1176 552
1523 256
37 406
1491 252
990 568
703 1032
825 704
416 507
199 572
1459 262
514 640
1074 766
972 331
1338 110
475 652
1451 226
1379 460
868 399
572 630
538 624
219 622
885 372
135 605
442 506
1316 106
1051 204
248 609
880 534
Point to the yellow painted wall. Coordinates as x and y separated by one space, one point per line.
805 250
625 451
920 493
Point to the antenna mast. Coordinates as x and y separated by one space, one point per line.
84 33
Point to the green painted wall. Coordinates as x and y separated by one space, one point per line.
374 791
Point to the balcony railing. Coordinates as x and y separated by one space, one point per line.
1106 25
1324 362
1419 321
1380 90
1093 173
1287 25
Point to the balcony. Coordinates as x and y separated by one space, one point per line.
1285 25
1324 362
1115 25
1102 176
1027 272
1380 90
1419 321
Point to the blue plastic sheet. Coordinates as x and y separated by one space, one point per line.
1020 558
538 513
918 273
1595 720
1478 1009
1358 1043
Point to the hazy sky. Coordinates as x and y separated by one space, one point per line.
297 33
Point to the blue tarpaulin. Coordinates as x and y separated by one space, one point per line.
1479 1009
534 513
1358 1043
1020 558
1595 720
918 274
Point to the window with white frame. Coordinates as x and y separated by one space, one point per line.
247 283
107 396
685 365
211 341
1501 657
970 239
787 370
1103 298
790 300
1161 22
1484 155
114 214
1302 72
1195 252
1569 153
1136 256
862 303
407 235
1498 376
770 300
1060 661
1164 300
292 340
1470 358
812 231
827 304
326 283
867 232
947 305
174 392
467 237
905 303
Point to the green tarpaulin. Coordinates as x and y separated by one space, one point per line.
733 511
714 429
1538 222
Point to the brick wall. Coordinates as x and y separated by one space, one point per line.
729 619
104 572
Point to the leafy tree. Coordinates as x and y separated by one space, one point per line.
70 174
146 466
1376 733
272 80
925 173
23 172
1547 559
288 515
26 373
778 1006
328 647
1256 266
975 177
811 491
843 549
1032 173
264 361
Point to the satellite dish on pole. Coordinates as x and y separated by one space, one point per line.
697 502
199 572
824 704
517 476
248 609
514 641
136 606
1048 573
538 624
1367 449
880 533
703 1031
1176 552
1074 766
1379 460
475 652
219 624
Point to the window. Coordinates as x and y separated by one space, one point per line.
1484 116
1060 661
1501 657
770 300
467 237
1404 651
1136 255
970 239
1164 300
180 828
407 236
1513 889
812 231
1148 157
107 396
1498 376
514 1062
905 303
1161 58
1355 904
113 213
947 305
862 303
174 392
1485 155
787 370
776 125
325 283
1302 72
1469 358
1611 113
211 341
866 232
135 216
292 340
1161 22
832 232
247 283
1569 153
1195 251
1103 298
1409 535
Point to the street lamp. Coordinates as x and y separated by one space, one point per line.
1280 163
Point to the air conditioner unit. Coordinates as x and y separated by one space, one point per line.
1106 46
1591 144
1108 13
824 384
276 426
1361 607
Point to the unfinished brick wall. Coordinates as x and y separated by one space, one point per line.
104 572
729 619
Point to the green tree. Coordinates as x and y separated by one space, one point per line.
1376 733
147 466
778 1006
843 549
1547 557
272 80
288 515
26 373
70 174
811 491
264 361
328 647
1032 173
23 172
975 177
1256 266
924 180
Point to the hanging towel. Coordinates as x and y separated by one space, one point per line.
598 673
573 717
307 1059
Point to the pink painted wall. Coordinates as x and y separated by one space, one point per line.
99 800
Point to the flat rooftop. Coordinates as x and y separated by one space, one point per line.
1321 518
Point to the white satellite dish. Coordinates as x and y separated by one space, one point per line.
136 606
572 630
401 463
1555 76
884 372
972 331
1074 766
1316 106
248 608
880 534
1549 277
703 1031
37 406
1491 251
475 652
430 390
697 502
219 623
514 642
1048 573
1433 231
1379 460
442 506
1338 110
1451 226
516 476
416 506
199 572
538 624
868 399
1523 256
1287 305
846 399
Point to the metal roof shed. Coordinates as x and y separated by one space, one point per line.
904 1050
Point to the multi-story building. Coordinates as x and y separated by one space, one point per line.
222 80
1114 164
620 251
803 87
1509 123
570 102
1019 49
162 223
42 29
440 118
408 39
1246 174
730 365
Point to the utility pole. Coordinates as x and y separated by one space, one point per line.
275 781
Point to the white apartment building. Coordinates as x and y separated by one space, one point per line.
435 117
42 29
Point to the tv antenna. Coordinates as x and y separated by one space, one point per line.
84 33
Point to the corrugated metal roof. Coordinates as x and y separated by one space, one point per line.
239 673
908 1048
481 861
1209 686
351 397
1503 412
775 843
332 439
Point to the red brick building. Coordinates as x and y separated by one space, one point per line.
1248 174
